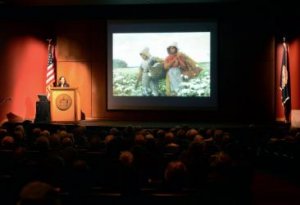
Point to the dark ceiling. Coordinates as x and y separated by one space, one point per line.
12 8
119 2
105 2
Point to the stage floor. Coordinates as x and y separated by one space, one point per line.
159 124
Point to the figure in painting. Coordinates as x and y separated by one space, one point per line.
179 67
150 72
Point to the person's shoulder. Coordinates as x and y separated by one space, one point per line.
182 54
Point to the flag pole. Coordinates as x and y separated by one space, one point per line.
49 40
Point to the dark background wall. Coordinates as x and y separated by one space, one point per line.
247 39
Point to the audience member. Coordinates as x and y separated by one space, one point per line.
38 193
175 176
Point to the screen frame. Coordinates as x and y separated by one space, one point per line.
162 102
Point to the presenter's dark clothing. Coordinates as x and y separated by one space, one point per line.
65 85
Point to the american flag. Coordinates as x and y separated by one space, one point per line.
50 76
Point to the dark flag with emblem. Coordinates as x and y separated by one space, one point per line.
284 82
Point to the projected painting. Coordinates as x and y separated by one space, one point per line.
176 64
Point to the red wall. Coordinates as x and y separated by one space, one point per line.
24 62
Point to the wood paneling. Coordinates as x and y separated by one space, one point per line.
98 90
74 41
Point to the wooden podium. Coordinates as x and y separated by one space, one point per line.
65 104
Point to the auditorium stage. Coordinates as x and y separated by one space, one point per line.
155 124
166 124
